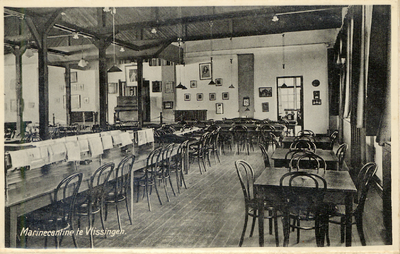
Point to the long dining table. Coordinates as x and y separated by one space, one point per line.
279 158
340 191
30 190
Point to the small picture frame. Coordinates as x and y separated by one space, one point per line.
131 75
169 87
316 102
130 90
265 106
212 96
156 86
218 81
205 71
225 95
86 100
112 88
74 77
81 87
316 95
168 104
186 96
193 83
199 96
246 101
265 91
219 108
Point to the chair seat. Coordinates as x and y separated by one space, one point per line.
82 209
111 197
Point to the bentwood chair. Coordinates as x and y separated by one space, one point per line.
120 187
333 137
341 154
303 144
241 138
179 164
308 160
338 216
246 177
94 200
199 151
148 179
59 216
264 152
304 204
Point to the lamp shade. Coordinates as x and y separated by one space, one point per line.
114 68
212 82
29 53
82 63
181 86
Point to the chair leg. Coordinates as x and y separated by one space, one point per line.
270 221
127 210
158 194
183 180
342 230
359 224
118 217
178 180
253 223
148 196
172 187
101 219
246 218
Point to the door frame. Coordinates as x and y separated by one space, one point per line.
301 97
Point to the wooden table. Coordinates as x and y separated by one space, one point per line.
321 142
34 190
340 190
332 161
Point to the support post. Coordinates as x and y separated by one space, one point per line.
140 91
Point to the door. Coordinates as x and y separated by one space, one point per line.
290 100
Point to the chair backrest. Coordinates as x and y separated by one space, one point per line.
152 161
65 195
303 191
303 133
303 144
265 155
123 174
246 177
99 181
341 153
364 178
314 161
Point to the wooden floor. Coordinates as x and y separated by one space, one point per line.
209 213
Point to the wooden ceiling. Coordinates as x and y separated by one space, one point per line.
148 31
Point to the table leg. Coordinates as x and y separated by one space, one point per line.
349 211
11 227
261 222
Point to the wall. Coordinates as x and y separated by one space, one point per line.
305 55
30 91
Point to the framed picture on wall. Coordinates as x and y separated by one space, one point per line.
112 88
156 86
212 96
205 71
131 75
225 96
218 81
186 96
168 104
169 87
199 96
193 83
265 91
219 108
74 77
265 106
130 90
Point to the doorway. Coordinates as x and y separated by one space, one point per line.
290 100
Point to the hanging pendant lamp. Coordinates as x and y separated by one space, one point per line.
179 61
211 58
114 68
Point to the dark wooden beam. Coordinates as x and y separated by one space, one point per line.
68 93
140 91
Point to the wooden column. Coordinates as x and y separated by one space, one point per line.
18 52
140 89
68 93
102 45
43 91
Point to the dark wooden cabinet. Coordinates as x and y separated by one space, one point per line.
190 115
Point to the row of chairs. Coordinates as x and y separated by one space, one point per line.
161 163
207 145
108 185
